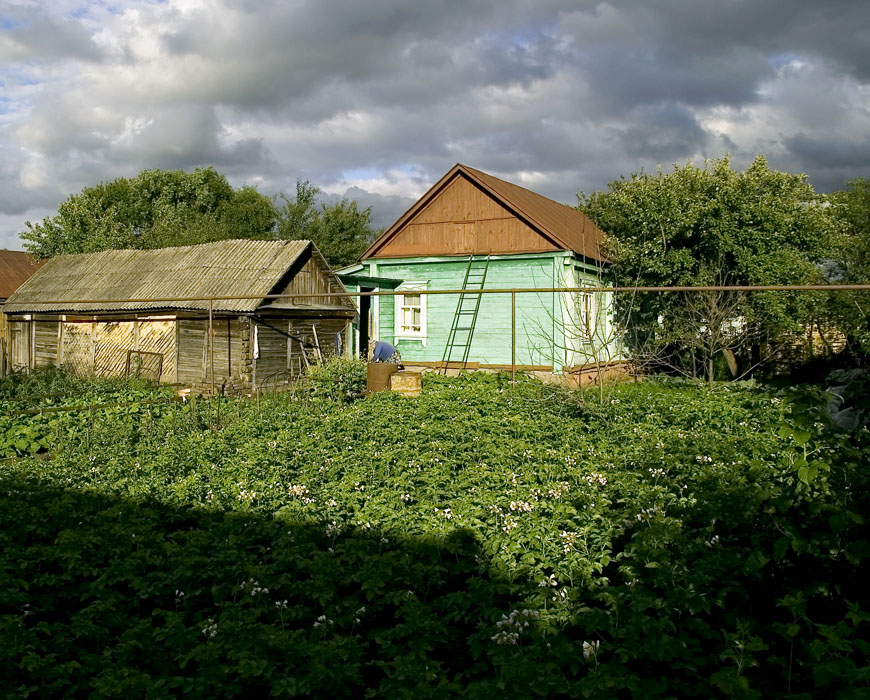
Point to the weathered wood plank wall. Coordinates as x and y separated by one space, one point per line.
4 347
111 342
19 345
98 348
270 367
311 279
158 337
76 348
192 355
195 357
45 339
101 348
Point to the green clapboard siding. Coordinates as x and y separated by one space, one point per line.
544 327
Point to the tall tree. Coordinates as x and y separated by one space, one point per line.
340 231
851 263
156 208
713 225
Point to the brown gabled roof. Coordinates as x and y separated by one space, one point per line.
565 227
164 278
15 267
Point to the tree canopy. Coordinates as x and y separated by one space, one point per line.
851 260
340 231
157 208
714 225
852 207
160 208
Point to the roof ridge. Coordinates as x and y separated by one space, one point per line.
513 184
224 241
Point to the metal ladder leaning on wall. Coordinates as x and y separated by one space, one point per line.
465 318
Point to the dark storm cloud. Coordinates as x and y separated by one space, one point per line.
272 56
624 79
370 98
195 140
703 53
665 132
830 152
831 160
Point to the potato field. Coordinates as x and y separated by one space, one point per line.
487 539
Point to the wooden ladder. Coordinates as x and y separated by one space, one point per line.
316 354
467 309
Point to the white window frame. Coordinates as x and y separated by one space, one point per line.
400 305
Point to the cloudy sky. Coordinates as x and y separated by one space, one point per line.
376 99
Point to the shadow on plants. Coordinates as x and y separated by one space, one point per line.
110 597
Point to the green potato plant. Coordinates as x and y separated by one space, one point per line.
487 537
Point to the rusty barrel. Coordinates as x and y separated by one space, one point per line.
378 376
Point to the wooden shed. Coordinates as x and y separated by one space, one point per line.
198 315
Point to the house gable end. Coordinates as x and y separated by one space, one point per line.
310 275
459 217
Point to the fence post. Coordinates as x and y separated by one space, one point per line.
513 336
211 342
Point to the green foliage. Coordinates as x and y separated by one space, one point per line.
340 231
39 382
160 208
298 216
155 209
37 407
487 538
338 378
714 226
852 207
851 260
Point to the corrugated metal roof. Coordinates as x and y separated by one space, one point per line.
95 281
566 227
15 267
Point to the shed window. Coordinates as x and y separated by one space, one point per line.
411 311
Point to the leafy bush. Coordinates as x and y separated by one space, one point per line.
338 378
40 408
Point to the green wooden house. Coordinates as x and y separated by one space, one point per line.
470 231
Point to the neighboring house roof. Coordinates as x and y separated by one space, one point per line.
566 228
104 281
15 267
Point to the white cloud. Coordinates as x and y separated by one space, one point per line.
805 101
390 183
